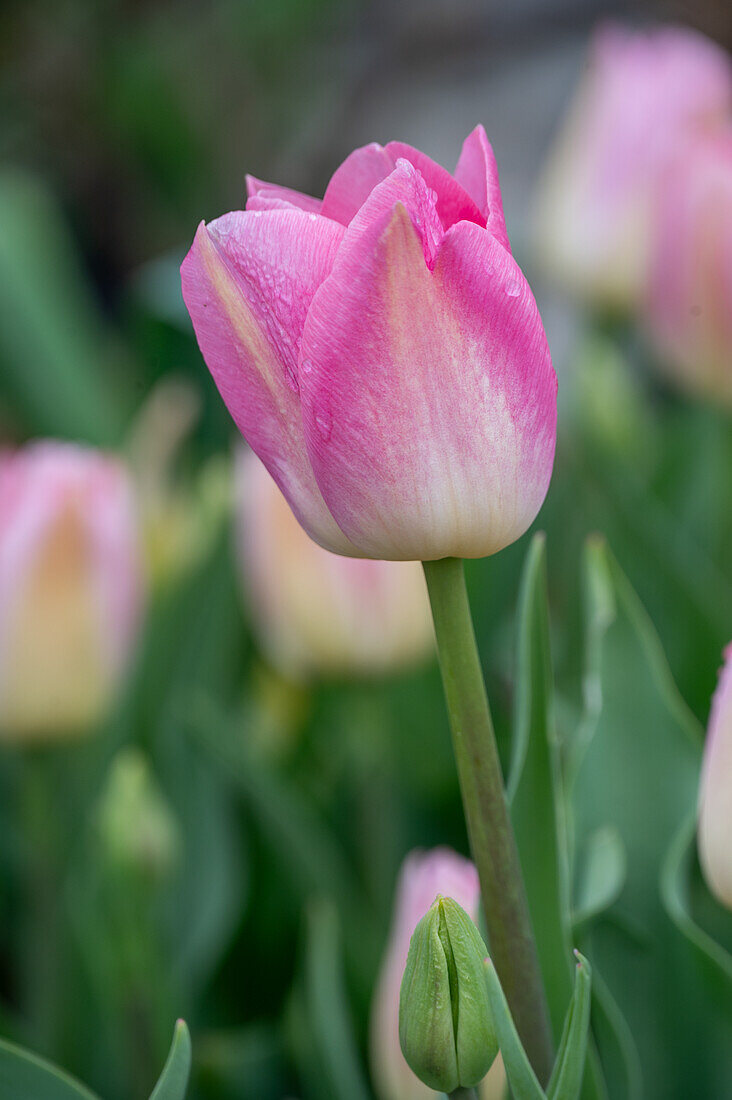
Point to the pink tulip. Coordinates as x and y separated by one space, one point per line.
715 795
382 353
641 91
423 876
318 613
689 303
70 586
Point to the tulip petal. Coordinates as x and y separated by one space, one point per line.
404 185
429 402
247 282
270 196
352 182
477 171
454 204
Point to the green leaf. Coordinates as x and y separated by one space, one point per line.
636 765
621 1061
534 789
566 1079
327 1005
600 875
676 892
53 344
173 1081
521 1077
538 800
25 1076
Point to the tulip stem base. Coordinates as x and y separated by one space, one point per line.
464 1094
492 841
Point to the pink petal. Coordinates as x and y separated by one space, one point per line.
477 171
268 196
429 402
404 185
352 183
247 282
454 204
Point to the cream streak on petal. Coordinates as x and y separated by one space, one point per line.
430 411
247 283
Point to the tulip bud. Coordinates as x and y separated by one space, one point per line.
445 1021
70 587
136 827
318 613
423 876
715 796
640 92
689 299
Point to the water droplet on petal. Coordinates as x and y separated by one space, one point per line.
313 217
306 367
513 287
324 420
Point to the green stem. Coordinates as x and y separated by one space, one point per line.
492 840
464 1094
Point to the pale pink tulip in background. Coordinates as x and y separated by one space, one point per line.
642 91
317 613
689 300
715 795
382 353
70 586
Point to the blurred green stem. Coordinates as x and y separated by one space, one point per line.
464 1094
492 840
42 932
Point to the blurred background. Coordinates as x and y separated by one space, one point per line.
217 832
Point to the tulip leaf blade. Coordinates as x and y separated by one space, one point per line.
173 1081
566 1079
521 1077
327 1005
675 891
24 1075
600 876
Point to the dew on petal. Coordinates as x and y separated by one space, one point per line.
324 420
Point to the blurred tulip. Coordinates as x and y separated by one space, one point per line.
423 876
316 612
689 303
382 353
715 795
70 587
641 91
137 830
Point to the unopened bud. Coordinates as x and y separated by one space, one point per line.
445 1022
136 826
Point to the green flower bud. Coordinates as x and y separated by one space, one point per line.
135 825
445 1022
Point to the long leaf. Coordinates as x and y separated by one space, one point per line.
521 1077
566 1078
327 1005
25 1076
173 1081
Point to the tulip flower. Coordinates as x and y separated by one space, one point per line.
382 353
70 587
318 613
640 92
689 300
715 795
423 876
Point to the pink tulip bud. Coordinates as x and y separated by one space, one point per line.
689 304
382 353
318 613
641 91
424 875
70 587
715 795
